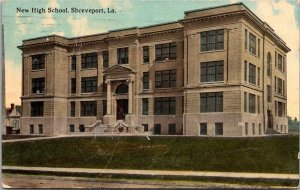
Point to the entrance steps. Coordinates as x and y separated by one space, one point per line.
271 131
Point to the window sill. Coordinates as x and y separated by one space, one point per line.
166 88
38 94
212 51
211 83
166 60
283 72
89 93
88 69
37 70
258 57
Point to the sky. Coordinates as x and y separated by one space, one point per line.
281 15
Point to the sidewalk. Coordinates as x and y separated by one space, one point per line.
83 171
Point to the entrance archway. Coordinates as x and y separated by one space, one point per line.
122 104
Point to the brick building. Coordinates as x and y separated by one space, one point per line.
218 71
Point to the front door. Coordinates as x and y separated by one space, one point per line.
270 119
122 109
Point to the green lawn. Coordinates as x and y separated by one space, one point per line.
277 154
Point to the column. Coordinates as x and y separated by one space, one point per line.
108 97
130 97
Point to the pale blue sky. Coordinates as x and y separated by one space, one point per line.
281 15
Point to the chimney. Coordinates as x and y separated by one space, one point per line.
11 107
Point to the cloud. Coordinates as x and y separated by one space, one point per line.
80 26
48 20
21 26
13 74
59 33
280 15
116 4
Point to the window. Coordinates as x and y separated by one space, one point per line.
279 63
38 62
73 85
219 128
280 109
73 63
145 127
145 80
212 71
246 128
259 129
284 62
283 109
269 93
88 108
251 103
146 54
157 129
165 79
258 104
258 76
104 107
203 128
81 128
37 109
269 64
122 89
246 39
165 106
71 128
252 74
38 85
275 81
211 102
105 58
245 101
123 55
165 51
172 129
252 44
89 84
279 86
40 129
245 71
258 48
89 60
31 129
72 109
275 58
283 87
145 103
253 128
212 40
275 108
104 85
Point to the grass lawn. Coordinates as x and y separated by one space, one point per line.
276 154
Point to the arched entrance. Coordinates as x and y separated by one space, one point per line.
122 104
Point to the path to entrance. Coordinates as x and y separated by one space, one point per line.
239 175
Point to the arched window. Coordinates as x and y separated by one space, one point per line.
122 89
269 64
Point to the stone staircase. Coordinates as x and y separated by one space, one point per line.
271 131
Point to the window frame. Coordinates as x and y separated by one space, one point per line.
40 62
146 81
89 60
37 109
88 108
146 54
252 43
89 84
105 59
165 106
214 98
38 84
212 40
165 51
165 78
145 106
122 55
210 71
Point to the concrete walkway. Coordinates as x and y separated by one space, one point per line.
183 174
